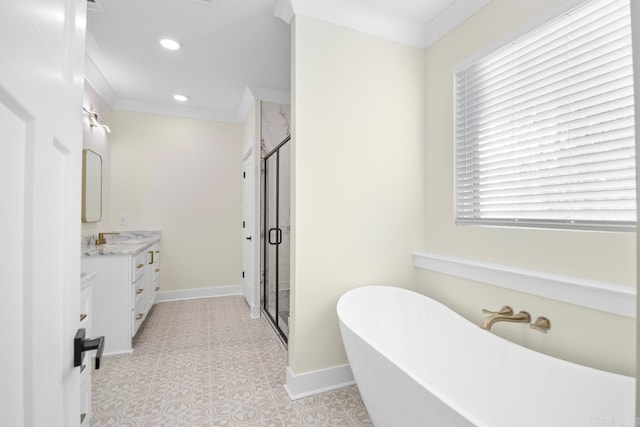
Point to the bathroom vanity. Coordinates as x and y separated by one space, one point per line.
126 285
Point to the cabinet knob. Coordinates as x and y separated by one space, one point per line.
140 265
82 317
139 291
157 288
139 316
157 270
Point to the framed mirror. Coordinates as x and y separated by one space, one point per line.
91 186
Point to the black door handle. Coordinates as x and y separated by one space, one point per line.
248 238
278 236
82 344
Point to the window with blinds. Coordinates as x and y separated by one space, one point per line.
544 127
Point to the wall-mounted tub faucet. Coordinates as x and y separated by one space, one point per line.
504 315
505 311
541 324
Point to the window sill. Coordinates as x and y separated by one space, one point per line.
608 297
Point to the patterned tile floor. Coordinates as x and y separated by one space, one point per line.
205 363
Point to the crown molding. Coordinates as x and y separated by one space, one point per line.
354 16
454 15
99 83
284 11
360 18
176 111
251 94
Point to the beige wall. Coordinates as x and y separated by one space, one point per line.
358 191
582 335
181 176
97 139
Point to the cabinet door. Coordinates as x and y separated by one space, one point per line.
154 273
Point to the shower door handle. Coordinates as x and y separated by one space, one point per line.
271 241
278 236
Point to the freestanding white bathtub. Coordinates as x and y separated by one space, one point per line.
418 363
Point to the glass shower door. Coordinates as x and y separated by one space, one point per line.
277 237
271 227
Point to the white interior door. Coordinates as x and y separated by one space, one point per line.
248 238
41 81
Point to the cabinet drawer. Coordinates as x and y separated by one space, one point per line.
138 314
138 291
139 262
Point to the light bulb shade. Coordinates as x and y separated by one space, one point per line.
95 121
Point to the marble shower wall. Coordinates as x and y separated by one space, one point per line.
274 126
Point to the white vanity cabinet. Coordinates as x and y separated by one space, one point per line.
140 296
122 294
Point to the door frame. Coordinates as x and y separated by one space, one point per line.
250 264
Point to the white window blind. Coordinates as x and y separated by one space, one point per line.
544 127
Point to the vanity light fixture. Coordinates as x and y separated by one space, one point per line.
95 120
179 97
169 44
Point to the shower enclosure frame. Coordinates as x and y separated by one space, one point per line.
267 241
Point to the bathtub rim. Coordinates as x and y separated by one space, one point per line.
429 387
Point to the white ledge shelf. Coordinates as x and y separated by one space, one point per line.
609 297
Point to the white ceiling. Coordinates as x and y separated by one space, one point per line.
231 49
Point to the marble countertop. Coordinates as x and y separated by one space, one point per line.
124 243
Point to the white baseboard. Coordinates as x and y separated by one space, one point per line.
215 291
115 353
314 382
609 297
254 312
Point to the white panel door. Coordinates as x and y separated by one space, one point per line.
248 228
41 81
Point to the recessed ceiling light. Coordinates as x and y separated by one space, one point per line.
169 44
179 97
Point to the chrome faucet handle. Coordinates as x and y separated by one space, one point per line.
541 324
504 311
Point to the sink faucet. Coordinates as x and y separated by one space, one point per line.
504 315
101 240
